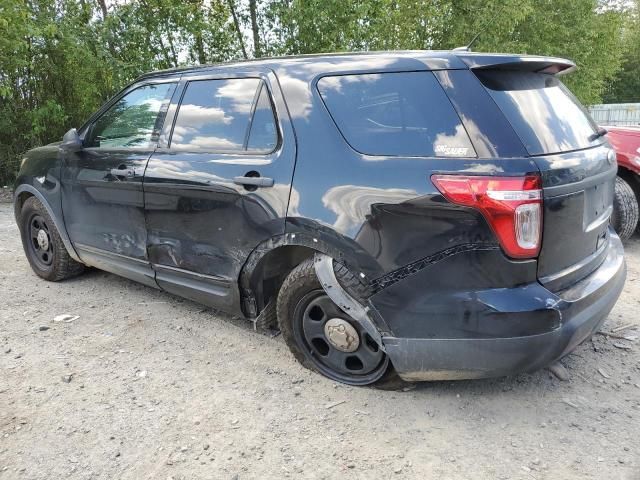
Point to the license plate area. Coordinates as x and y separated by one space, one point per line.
598 200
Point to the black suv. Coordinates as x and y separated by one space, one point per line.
443 215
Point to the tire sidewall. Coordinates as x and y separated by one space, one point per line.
625 209
288 300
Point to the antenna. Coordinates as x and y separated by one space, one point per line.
467 48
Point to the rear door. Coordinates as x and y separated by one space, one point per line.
219 183
577 170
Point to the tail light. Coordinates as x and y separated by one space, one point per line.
511 205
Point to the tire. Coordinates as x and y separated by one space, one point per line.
303 302
45 251
625 209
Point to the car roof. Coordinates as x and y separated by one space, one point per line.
424 59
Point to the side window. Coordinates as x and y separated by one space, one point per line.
233 115
131 121
262 134
399 114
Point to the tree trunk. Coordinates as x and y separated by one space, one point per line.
238 31
103 8
174 55
257 51
198 25
202 58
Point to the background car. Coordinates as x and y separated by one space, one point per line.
626 142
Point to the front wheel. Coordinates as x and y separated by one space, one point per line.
321 336
625 209
42 244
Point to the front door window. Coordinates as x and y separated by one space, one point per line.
132 121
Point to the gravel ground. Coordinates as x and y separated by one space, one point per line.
144 385
6 195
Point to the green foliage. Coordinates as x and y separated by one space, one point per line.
625 88
61 59
585 31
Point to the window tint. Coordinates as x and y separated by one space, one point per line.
217 115
401 114
131 121
542 111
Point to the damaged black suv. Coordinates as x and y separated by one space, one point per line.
440 215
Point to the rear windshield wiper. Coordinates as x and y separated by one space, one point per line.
601 132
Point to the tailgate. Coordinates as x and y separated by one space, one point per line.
577 168
578 201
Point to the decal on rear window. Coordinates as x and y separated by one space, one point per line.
450 151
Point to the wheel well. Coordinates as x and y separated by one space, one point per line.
273 268
19 202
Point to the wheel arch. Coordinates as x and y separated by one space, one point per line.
18 202
268 265
26 191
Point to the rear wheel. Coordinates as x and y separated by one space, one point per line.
625 209
42 244
321 336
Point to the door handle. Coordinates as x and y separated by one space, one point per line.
253 181
123 172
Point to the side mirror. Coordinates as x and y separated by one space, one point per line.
71 141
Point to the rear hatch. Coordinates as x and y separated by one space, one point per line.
577 171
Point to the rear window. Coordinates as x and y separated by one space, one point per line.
542 111
395 114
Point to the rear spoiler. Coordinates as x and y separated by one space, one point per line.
526 63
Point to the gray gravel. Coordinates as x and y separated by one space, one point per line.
6 195
144 385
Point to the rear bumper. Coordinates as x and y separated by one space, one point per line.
581 309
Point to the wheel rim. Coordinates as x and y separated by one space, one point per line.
40 245
337 345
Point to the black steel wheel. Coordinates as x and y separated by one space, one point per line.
339 347
323 337
42 244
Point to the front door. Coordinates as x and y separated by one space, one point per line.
102 197
219 183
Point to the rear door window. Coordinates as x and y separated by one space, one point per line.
543 112
395 114
262 132
230 115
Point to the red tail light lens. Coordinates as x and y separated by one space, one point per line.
511 205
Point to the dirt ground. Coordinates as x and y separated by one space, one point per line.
144 385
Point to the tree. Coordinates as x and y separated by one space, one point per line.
60 59
625 88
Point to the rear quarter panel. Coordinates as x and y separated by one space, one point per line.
392 226
385 209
